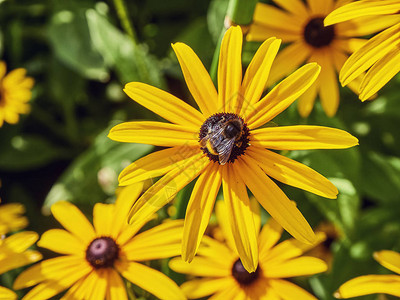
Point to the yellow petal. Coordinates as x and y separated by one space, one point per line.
217 251
376 48
116 287
292 173
361 9
380 74
103 219
272 17
199 288
257 73
5 293
289 291
200 266
99 287
156 164
318 7
13 78
199 210
235 292
260 32
282 95
52 269
302 137
370 284
240 217
164 104
197 79
61 241
166 188
21 241
275 201
389 259
305 104
151 280
224 224
328 85
15 260
365 25
301 266
162 241
288 60
73 220
3 69
296 7
269 236
155 133
230 70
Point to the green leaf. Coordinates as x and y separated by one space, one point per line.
68 33
132 62
92 177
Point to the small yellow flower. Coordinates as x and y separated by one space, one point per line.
301 26
373 284
224 145
14 254
380 55
11 219
224 277
15 92
95 257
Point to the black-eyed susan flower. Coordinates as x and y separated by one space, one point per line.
95 257
374 284
380 55
301 26
220 144
11 218
15 92
221 274
14 254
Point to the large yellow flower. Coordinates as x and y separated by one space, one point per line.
15 92
374 284
96 258
14 254
381 55
301 26
224 276
10 217
222 145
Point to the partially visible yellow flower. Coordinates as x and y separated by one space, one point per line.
224 277
95 257
381 55
14 254
301 26
225 145
10 217
374 284
15 92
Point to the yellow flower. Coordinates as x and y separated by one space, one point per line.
96 257
224 276
13 254
301 26
373 284
15 92
222 145
11 219
380 56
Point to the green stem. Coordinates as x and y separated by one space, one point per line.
125 22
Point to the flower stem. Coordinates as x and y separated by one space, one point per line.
123 17
239 12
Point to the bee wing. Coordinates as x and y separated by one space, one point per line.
224 150
215 138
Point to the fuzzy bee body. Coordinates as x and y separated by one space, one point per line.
221 137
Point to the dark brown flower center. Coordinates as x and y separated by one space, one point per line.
102 252
241 275
223 137
317 35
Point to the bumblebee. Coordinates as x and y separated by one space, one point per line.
222 136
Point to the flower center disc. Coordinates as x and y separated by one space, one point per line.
317 35
223 137
102 252
241 275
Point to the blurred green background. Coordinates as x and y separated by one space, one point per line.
81 54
